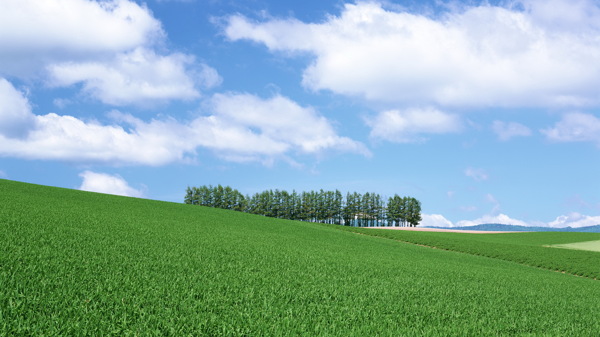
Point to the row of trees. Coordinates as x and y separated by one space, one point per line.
356 209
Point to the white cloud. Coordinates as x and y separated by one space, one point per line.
106 46
478 56
137 77
15 111
575 220
109 184
575 127
68 138
240 127
245 124
208 77
477 174
506 131
36 33
495 219
407 126
435 220
3 175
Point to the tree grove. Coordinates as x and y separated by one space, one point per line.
355 209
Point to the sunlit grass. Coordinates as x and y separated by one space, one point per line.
593 246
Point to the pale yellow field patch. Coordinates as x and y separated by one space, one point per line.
593 246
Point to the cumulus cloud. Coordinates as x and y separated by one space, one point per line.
575 220
477 174
137 77
109 184
246 124
536 55
435 220
68 138
15 112
506 131
575 127
36 33
107 47
238 127
408 125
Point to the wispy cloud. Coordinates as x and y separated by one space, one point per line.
495 203
508 130
406 126
575 127
476 174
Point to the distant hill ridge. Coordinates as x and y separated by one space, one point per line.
515 228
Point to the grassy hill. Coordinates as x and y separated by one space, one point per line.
80 263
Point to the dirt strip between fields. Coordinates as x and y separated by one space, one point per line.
417 229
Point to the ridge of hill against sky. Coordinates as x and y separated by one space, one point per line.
487 112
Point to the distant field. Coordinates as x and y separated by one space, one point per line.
87 264
593 246
529 248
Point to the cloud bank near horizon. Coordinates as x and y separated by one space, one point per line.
574 220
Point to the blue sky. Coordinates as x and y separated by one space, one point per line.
484 111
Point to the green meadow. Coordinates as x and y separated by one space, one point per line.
80 263
534 249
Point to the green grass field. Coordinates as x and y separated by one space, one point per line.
532 249
79 263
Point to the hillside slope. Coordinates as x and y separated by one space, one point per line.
80 263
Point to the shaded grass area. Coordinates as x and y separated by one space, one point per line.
79 263
531 248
